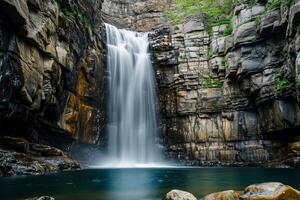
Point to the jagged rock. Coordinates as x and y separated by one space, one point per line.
268 22
51 69
37 159
179 195
229 99
193 23
294 14
246 33
15 10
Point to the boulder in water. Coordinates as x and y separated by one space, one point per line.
179 195
46 198
270 191
225 195
263 191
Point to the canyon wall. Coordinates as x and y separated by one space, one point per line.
51 71
231 99
137 15
224 98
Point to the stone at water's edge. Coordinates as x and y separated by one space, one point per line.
41 198
19 157
270 191
179 195
263 191
226 195
46 198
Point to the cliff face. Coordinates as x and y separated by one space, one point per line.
228 99
224 99
138 15
51 70
231 99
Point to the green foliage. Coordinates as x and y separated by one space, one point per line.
183 56
274 4
210 83
228 30
218 84
281 84
287 3
224 63
196 43
216 10
258 19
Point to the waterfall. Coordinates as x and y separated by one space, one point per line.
132 126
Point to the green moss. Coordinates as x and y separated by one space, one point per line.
216 10
208 82
281 85
274 4
210 54
224 63
218 84
287 3
183 56
228 30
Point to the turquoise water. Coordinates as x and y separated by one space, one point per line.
139 184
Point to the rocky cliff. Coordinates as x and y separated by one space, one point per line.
51 71
137 15
228 94
231 98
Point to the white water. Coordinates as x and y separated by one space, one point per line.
132 126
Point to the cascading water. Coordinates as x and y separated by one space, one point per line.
132 125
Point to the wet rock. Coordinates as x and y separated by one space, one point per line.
37 159
263 191
41 198
45 198
274 191
179 195
17 144
226 195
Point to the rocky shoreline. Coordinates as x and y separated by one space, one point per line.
263 191
19 157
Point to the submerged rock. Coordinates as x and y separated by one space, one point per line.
179 195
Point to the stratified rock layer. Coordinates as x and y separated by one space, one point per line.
231 99
19 157
51 71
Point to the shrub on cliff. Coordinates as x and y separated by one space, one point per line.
216 10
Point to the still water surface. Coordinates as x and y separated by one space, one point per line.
139 184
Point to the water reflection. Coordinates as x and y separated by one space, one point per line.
139 184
